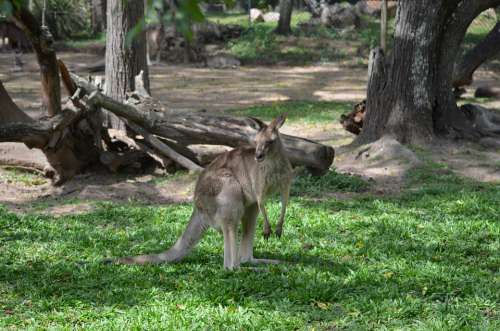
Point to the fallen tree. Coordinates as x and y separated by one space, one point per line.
158 134
184 129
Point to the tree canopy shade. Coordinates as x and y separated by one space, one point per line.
410 92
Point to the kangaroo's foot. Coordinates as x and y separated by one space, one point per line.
279 231
261 261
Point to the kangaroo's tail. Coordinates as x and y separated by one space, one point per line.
193 233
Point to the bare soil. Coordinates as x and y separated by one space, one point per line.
187 88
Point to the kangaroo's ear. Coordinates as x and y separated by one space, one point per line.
278 121
262 126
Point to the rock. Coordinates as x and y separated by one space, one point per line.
487 92
373 7
340 15
222 61
256 15
271 17
485 121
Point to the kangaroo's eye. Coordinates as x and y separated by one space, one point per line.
269 142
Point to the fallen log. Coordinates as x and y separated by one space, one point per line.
200 128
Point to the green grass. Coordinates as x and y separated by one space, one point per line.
18 175
427 259
299 111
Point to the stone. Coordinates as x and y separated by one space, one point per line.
271 17
485 91
340 15
256 15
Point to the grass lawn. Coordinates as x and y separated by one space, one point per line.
426 259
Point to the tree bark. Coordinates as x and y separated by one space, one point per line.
124 61
485 50
383 26
410 94
286 8
65 139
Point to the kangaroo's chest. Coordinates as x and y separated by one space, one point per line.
275 177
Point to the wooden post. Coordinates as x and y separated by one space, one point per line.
383 26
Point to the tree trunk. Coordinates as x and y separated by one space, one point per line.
98 16
286 7
314 7
66 142
42 43
410 94
383 26
123 60
485 50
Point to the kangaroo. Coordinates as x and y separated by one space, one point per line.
233 189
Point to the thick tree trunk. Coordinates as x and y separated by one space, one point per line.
400 98
123 60
485 50
448 119
410 95
286 7
42 43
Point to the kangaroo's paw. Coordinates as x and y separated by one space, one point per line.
278 232
263 261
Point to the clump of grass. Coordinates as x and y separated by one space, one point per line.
332 181
24 176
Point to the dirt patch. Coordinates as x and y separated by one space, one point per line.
385 161
81 193
467 159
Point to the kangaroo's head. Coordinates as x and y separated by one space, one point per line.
267 140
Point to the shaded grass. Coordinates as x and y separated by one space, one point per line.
427 259
303 111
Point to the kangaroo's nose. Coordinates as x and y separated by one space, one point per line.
259 157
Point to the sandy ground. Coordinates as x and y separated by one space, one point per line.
186 88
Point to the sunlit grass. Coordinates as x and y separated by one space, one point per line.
19 175
427 259
299 111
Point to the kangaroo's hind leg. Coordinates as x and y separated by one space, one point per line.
249 221
229 212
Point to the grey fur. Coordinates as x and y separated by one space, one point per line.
233 189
